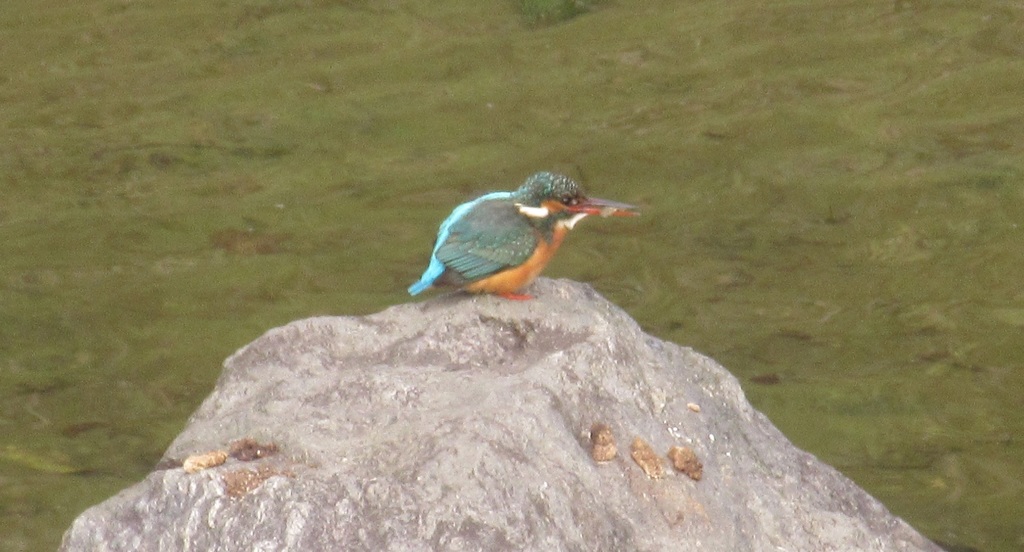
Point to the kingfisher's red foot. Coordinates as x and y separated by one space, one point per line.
516 296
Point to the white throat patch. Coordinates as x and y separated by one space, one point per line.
571 221
533 212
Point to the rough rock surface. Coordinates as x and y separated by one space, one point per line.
462 423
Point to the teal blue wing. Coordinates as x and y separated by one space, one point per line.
490 238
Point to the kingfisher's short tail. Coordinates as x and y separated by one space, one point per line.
434 271
419 286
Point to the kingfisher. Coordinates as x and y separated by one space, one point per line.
499 242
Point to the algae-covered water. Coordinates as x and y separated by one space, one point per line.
832 207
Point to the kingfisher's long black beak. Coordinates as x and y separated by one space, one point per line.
603 207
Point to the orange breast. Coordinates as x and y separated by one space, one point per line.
516 278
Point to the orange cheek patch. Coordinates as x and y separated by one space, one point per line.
552 206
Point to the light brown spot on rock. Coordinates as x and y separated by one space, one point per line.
204 460
685 460
602 443
646 458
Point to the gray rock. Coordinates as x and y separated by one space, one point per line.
462 423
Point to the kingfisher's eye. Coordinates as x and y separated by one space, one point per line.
569 199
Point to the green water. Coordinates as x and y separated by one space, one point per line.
831 190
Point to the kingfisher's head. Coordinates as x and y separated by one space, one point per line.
558 199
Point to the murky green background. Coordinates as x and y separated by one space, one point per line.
832 198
